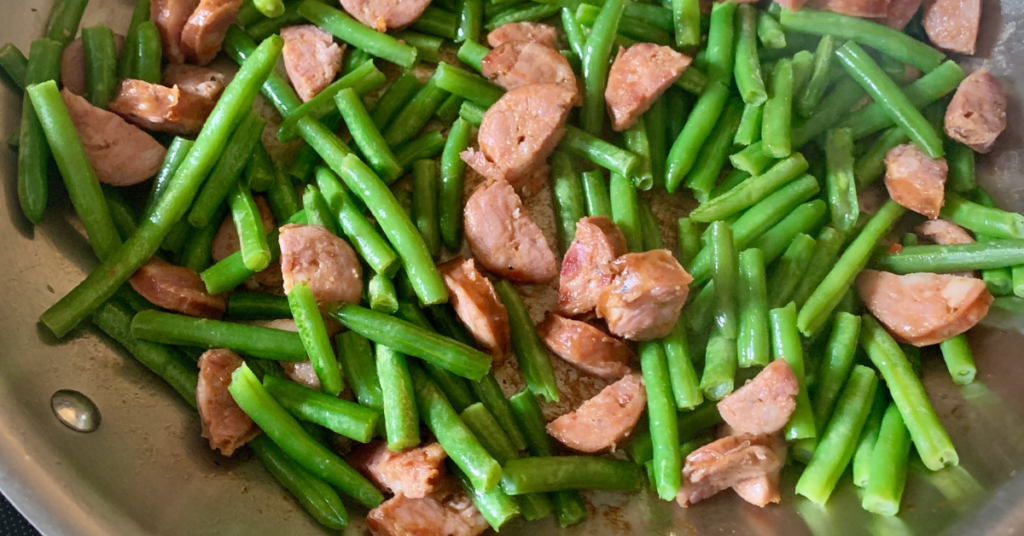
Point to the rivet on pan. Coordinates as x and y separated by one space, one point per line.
75 410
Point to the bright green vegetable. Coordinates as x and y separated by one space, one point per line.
786 345
595 191
14 64
33 150
790 269
776 124
363 236
466 84
472 53
530 352
715 152
341 416
749 130
424 204
752 344
354 33
748 66
959 360
567 196
889 459
596 55
539 475
453 171
626 211
100 65
366 135
826 249
65 16
251 236
955 258
398 94
313 333
411 119
323 106
264 343
598 151
720 362
749 192
401 418
820 77
315 495
229 168
868 437
662 415
839 179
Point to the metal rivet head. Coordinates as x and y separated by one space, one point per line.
75 410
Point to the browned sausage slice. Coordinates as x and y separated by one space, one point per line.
224 423
759 490
121 154
225 242
176 288
517 64
311 57
586 347
944 232
977 114
414 473
924 309
504 238
914 180
477 304
520 131
727 462
385 15
523 32
638 76
196 80
585 272
203 34
764 404
874 9
170 17
900 12
604 421
447 511
159 108
952 24
645 298
312 254
72 64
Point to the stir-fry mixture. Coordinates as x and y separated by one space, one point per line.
359 252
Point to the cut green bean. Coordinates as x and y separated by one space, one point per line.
467 85
749 130
317 211
752 344
959 360
360 368
888 473
820 76
315 495
839 179
471 14
930 438
366 136
398 94
750 192
978 218
448 112
769 31
725 274
364 238
313 333
954 258
685 384
839 442
683 154
776 124
428 47
530 352
423 147
656 123
424 204
598 151
489 392
826 249
871 164
100 65
595 191
439 22
715 152
790 269
341 416
719 376
14 64
401 417
573 33
229 168
637 142
786 345
65 16
522 13
33 150
252 238
650 229
149 55
567 197
264 343
558 473
596 55
961 167
662 415
259 172
836 366
453 171
748 66
363 79
803 64
381 294
861 464
472 53
496 507
257 306
820 304
416 113
689 241
626 211
354 33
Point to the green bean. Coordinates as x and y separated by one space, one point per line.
229 167
354 33
415 341
341 416
366 136
364 238
662 414
148 52
400 414
725 273
567 197
826 249
752 343
786 345
453 171
453 387
313 333
770 31
33 151
264 343
573 33
840 181
978 218
539 475
82 185
490 394
472 112
803 64
871 164
820 76
931 440
472 53
598 151
748 66
100 65
806 218
114 318
455 437
789 270
891 42
496 507
749 129
363 79
720 362
954 258
288 434
257 306
868 437
887 94
439 22
628 27
394 99
279 91
14 64
689 241
424 147
637 142
959 360
732 180
281 196
123 215
686 19
683 378
360 368
416 113
62 24
270 8
819 305
961 167
715 152
126 61
650 229
626 211
471 16
888 465
836 105
683 154
424 204
530 352
752 191
317 211
836 366
381 294
260 26
448 112
526 12
259 172
692 81
691 424
839 442
315 495
173 205
921 93
595 191
776 125
251 236
428 47
596 55
467 85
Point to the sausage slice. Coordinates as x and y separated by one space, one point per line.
604 421
121 154
311 58
504 238
170 17
414 473
731 461
477 304
385 15
764 404
520 131
646 295
516 64
203 34
224 423
585 272
447 511
944 232
72 64
160 108
176 288
900 12
312 254
952 24
914 180
586 347
924 309
977 114
523 32
638 76
195 80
